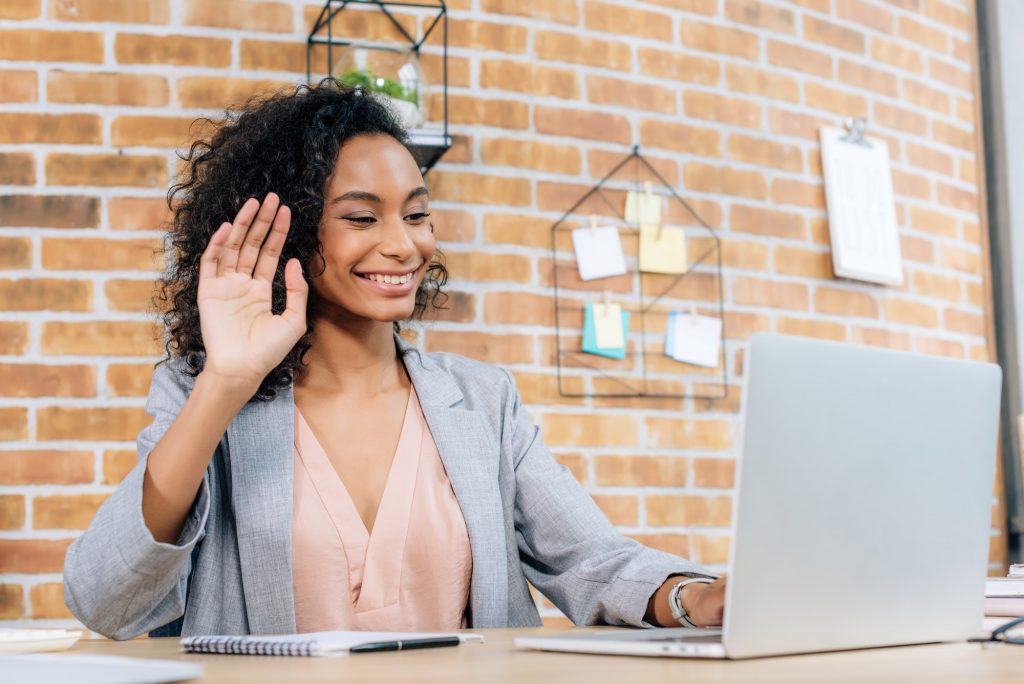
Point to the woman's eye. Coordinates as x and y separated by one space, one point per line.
363 220
418 217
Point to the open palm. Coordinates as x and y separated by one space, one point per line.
244 339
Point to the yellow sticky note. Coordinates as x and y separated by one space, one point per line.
608 326
643 208
664 253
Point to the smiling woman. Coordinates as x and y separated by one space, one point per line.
306 468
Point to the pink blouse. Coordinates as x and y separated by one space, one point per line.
411 573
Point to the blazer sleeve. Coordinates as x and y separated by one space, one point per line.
118 580
568 548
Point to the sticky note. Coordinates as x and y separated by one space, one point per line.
663 252
598 252
643 208
590 331
694 339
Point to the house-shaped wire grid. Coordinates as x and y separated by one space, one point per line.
646 370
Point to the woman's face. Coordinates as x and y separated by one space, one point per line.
375 231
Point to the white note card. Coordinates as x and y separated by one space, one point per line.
598 252
861 209
694 339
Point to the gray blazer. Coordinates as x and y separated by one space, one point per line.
230 571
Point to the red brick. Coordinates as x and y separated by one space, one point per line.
630 471
12 511
12 604
966 322
20 9
582 124
620 19
881 337
796 125
760 15
939 347
102 338
834 35
117 464
49 211
218 92
924 35
496 113
178 50
624 93
755 81
800 58
17 168
897 54
65 511
19 86
239 14
138 213
765 152
673 65
705 142
487 347
529 77
561 11
479 188
481 35
129 295
21 127
34 45
925 96
771 294
620 510
807 263
845 302
48 601
56 423
723 179
580 430
757 221
100 254
715 550
712 38
834 100
13 337
868 77
38 380
911 312
556 46
107 88
106 170
47 294
789 191
32 556
676 433
871 15
120 11
517 229
688 510
722 109
15 252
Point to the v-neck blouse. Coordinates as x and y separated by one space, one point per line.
410 573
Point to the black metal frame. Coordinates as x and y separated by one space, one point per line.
427 147
716 249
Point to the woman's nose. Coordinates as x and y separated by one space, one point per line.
395 240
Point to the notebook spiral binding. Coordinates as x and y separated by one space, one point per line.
247 646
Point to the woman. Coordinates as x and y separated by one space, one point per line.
308 469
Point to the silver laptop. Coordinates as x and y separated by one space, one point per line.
863 507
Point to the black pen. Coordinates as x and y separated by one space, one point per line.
404 645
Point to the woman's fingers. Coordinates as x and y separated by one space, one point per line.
243 219
297 293
211 255
266 264
257 233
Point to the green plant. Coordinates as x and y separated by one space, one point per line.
378 84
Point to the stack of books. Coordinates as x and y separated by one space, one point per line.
1004 596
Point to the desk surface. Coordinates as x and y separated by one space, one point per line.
497 661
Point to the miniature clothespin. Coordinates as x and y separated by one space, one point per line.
593 223
607 301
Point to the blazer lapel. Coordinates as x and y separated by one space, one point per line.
261 444
470 457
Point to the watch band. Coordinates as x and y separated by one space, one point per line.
678 612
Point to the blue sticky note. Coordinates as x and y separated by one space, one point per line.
670 335
590 335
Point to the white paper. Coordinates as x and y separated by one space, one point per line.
695 339
861 209
335 642
598 252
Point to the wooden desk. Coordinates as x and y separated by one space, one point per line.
497 661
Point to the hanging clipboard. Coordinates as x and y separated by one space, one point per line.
861 207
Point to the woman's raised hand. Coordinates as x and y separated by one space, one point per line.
244 340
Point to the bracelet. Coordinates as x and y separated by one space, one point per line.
678 612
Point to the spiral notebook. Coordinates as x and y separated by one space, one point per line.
323 643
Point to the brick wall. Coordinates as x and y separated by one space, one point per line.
724 96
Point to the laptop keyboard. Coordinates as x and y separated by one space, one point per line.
695 639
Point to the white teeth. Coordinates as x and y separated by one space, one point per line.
389 279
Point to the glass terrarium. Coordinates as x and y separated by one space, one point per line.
391 74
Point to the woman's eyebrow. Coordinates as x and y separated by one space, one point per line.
362 195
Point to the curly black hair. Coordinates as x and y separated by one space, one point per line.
286 143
